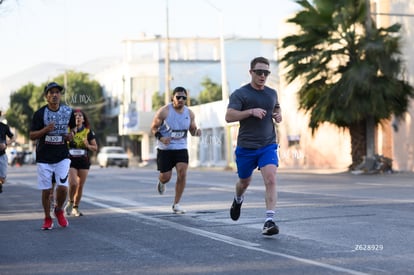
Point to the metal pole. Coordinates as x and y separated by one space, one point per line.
167 58
224 87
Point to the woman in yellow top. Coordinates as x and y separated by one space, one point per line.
83 142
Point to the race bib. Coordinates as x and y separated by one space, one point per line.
178 134
77 152
54 139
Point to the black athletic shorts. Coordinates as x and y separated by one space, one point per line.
167 159
80 163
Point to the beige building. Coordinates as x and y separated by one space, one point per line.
396 137
330 147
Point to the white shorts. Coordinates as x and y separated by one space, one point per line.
46 170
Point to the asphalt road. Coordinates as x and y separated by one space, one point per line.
329 224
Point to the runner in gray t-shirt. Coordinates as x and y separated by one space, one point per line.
256 106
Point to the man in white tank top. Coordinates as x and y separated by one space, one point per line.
170 126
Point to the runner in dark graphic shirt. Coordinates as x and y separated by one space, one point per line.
52 127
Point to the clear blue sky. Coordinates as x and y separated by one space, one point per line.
75 31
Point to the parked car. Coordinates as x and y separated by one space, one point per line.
112 155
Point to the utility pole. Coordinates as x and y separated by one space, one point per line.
224 88
167 57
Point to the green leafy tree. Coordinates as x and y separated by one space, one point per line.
157 101
81 92
211 91
351 70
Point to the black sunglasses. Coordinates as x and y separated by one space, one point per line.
183 97
260 72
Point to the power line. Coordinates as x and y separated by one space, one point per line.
393 14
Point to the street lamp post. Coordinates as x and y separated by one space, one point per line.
224 87
167 57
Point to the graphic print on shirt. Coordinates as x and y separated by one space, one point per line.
77 147
61 119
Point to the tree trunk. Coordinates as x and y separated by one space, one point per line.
358 142
370 137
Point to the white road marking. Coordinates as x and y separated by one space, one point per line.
218 237
214 236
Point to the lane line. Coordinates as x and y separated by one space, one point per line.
218 237
214 236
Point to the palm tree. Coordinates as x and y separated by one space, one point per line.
351 70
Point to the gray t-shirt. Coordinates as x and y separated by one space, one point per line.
255 133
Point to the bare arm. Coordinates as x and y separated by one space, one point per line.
40 133
277 114
11 140
193 127
91 145
159 117
233 115
4 145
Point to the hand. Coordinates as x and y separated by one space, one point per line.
277 116
3 146
165 140
68 137
259 113
50 127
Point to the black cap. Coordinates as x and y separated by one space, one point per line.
52 85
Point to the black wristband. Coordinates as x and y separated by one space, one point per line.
158 135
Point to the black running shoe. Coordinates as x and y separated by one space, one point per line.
235 210
270 228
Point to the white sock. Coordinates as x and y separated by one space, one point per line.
270 214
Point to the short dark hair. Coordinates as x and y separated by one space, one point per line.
179 89
259 59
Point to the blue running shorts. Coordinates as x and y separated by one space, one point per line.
249 159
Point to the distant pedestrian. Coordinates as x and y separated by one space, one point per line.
80 147
5 134
256 107
49 127
170 126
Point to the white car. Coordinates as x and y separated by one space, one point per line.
112 155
